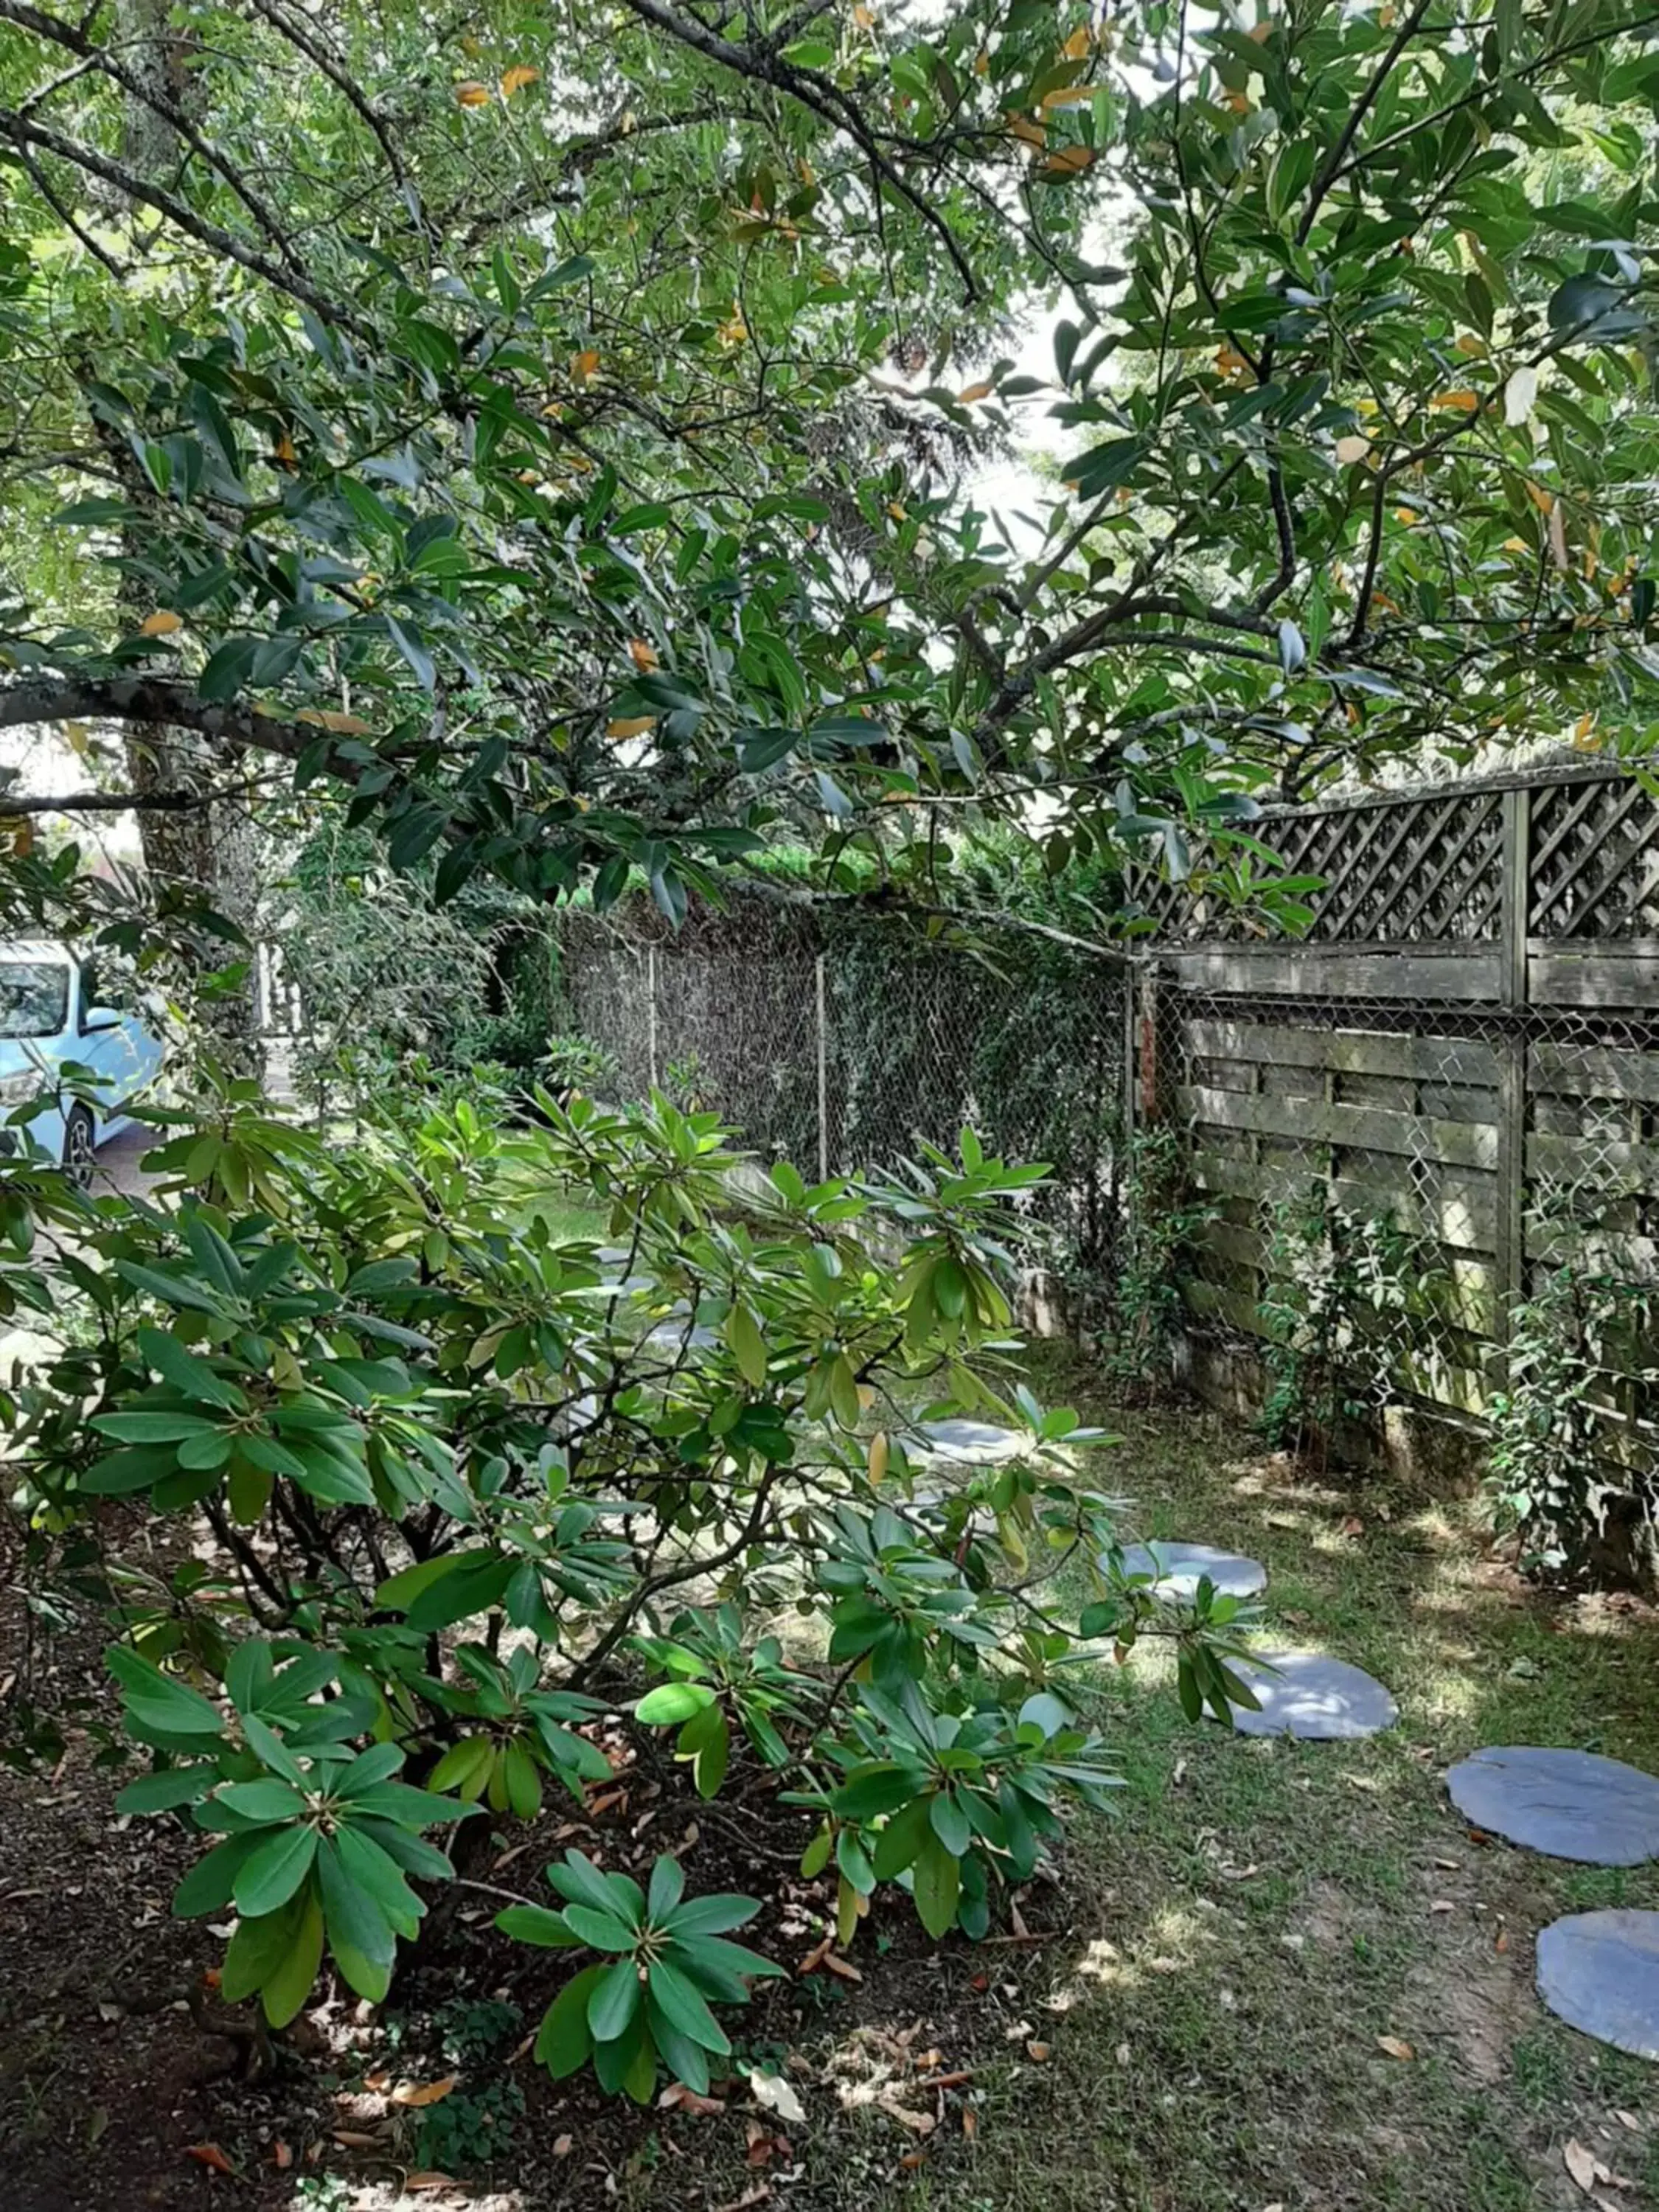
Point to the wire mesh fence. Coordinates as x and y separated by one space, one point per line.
851 1051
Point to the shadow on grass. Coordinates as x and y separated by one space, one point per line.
1294 1977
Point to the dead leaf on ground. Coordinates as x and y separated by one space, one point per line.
429 2178
843 1968
281 2157
677 2098
758 2195
419 2093
563 2145
776 2094
210 2155
969 2122
1582 2165
1392 2045
921 2124
1442 1905
1039 2051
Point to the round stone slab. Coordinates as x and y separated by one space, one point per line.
972 1443
1570 1804
1310 1695
1179 1569
1600 1971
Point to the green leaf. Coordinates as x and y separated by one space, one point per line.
901 1838
684 2006
614 2002
672 1701
286 1990
667 1888
601 1929
937 1880
564 2042
165 1791
536 1924
275 1870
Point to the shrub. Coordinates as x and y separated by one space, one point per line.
459 1469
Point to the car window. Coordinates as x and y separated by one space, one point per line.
33 998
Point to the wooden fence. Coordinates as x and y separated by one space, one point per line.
1466 1039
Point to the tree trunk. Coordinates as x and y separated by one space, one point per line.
212 853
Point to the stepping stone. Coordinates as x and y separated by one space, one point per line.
1570 1804
1600 1971
1312 1696
1180 1568
971 1444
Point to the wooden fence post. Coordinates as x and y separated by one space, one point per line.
1513 995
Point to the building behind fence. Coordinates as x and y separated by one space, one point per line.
1445 1092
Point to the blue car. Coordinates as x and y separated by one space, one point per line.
80 1060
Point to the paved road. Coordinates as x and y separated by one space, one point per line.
117 1164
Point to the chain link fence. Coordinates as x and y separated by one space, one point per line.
847 1051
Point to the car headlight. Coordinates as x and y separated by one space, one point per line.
18 1089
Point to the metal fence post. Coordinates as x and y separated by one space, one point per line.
651 1012
824 1073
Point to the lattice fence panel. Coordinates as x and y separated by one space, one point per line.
1594 864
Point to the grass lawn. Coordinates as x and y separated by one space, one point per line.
1261 1914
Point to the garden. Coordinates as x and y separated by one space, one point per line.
769 780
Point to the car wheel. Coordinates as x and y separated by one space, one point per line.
80 1144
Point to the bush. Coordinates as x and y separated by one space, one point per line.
460 1473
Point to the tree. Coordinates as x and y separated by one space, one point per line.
500 463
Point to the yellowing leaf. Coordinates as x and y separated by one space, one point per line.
1069 95
982 63
584 365
877 1459
516 78
330 718
973 392
864 17
283 451
161 623
1260 32
1353 448
1231 361
643 656
1078 44
897 513
1070 161
1463 399
734 333
630 725
430 2093
1542 500
471 93
1558 528
1582 729
1028 133
77 737
1239 102
1469 343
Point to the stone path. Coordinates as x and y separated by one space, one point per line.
1179 1569
1568 1804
